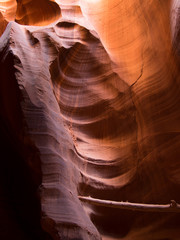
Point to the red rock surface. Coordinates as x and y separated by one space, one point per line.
89 105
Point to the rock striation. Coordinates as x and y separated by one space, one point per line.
89 106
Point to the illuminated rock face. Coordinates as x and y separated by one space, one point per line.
89 105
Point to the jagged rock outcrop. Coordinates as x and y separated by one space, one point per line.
89 105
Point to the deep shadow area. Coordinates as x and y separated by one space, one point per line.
20 170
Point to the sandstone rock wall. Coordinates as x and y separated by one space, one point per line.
89 105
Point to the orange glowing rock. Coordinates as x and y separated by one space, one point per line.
89 106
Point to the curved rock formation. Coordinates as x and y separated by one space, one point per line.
89 106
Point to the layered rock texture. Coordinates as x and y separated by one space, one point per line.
89 106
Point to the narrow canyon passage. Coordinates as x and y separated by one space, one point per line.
89 106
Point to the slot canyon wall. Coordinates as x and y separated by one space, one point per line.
89 106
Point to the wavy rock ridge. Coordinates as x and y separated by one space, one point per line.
89 105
